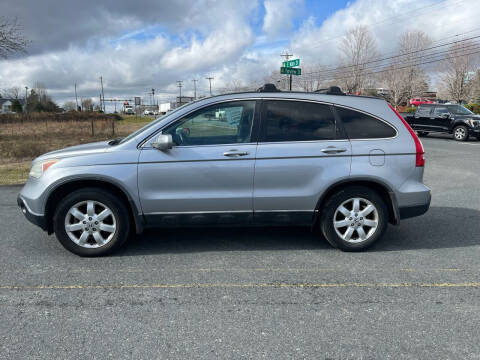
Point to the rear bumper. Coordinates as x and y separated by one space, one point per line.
38 220
415 210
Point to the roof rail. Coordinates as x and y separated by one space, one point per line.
268 88
332 90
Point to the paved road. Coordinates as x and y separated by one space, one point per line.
250 293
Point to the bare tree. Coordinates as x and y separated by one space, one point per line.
87 104
11 38
358 48
458 72
311 79
11 93
404 78
69 106
411 45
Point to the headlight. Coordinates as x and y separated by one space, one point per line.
40 167
473 123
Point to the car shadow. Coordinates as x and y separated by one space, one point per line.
440 227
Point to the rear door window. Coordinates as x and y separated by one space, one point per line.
423 111
363 126
439 110
285 120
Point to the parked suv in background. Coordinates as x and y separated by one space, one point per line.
451 119
347 165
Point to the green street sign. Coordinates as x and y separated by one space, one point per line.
291 63
290 71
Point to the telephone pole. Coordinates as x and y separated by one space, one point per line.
194 89
210 78
287 56
179 84
26 97
103 95
76 98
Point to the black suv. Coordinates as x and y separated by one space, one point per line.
452 119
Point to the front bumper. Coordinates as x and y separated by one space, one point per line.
474 131
38 220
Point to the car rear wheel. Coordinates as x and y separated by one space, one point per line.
460 133
354 218
91 222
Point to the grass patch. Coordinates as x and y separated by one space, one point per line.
14 173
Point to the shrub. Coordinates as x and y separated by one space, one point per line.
474 107
411 109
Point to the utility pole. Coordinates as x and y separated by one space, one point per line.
287 56
210 81
76 98
179 84
26 96
194 89
103 95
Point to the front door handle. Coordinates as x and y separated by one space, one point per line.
235 153
333 150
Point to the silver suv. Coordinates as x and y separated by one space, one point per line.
346 165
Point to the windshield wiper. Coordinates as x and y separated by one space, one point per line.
115 141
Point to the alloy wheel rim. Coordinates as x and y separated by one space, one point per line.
90 224
460 133
356 220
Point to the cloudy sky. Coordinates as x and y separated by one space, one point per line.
144 44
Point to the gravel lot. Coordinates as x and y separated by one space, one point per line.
255 293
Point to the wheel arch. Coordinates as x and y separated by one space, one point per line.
382 189
66 187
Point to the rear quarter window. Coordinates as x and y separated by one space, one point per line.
363 126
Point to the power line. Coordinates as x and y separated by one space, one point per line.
390 57
407 66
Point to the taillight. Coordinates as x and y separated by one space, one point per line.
419 159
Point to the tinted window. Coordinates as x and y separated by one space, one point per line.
225 123
459 110
439 110
363 126
423 111
297 121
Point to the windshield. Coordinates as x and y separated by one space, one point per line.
151 124
459 110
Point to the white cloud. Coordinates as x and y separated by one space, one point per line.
387 20
278 17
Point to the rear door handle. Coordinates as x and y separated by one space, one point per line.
235 153
333 150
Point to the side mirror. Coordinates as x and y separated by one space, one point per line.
445 115
163 142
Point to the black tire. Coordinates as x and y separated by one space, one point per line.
334 202
120 213
460 130
478 138
422 133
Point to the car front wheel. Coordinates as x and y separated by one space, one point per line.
460 133
91 222
354 218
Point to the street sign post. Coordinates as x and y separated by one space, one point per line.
291 63
290 71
